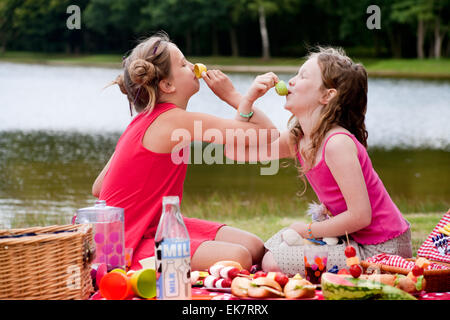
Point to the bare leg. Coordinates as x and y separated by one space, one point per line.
269 264
250 241
210 252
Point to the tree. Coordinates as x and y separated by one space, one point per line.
441 24
425 13
414 11
7 29
262 9
112 23
177 17
236 11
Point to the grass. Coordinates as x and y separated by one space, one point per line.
415 68
263 217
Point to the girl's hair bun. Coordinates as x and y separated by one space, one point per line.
141 71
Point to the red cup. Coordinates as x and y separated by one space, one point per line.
115 286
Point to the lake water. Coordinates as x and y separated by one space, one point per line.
58 127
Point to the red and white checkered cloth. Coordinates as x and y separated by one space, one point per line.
428 250
399 262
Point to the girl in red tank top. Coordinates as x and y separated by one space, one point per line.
144 167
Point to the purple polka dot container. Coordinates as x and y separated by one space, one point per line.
109 233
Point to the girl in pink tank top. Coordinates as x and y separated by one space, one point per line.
327 135
145 166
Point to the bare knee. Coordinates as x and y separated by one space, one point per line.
242 255
256 248
211 252
269 264
249 240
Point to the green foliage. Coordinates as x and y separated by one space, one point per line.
410 10
205 27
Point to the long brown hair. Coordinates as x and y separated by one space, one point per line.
148 63
346 109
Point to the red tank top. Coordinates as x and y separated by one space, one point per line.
138 178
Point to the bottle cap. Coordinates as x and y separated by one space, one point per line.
171 200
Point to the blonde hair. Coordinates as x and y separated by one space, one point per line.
148 63
346 109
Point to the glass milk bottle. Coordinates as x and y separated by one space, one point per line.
173 257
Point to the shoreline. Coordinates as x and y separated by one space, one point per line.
291 69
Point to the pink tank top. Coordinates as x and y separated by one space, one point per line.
387 220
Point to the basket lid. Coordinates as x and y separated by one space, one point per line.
100 212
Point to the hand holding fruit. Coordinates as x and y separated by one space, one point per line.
281 88
222 86
261 85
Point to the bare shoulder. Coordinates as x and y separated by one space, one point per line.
170 120
172 114
340 146
180 118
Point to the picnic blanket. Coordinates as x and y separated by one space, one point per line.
428 249
201 293
399 262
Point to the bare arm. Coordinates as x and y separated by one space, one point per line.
221 85
97 186
278 148
342 159
197 126
223 88
242 131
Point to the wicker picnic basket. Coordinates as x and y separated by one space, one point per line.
436 280
43 263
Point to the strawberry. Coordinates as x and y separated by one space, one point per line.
355 270
281 278
350 252
343 271
259 274
417 271
245 272
233 273
226 283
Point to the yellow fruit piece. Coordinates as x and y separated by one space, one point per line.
444 231
203 274
353 260
198 69
297 276
422 262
